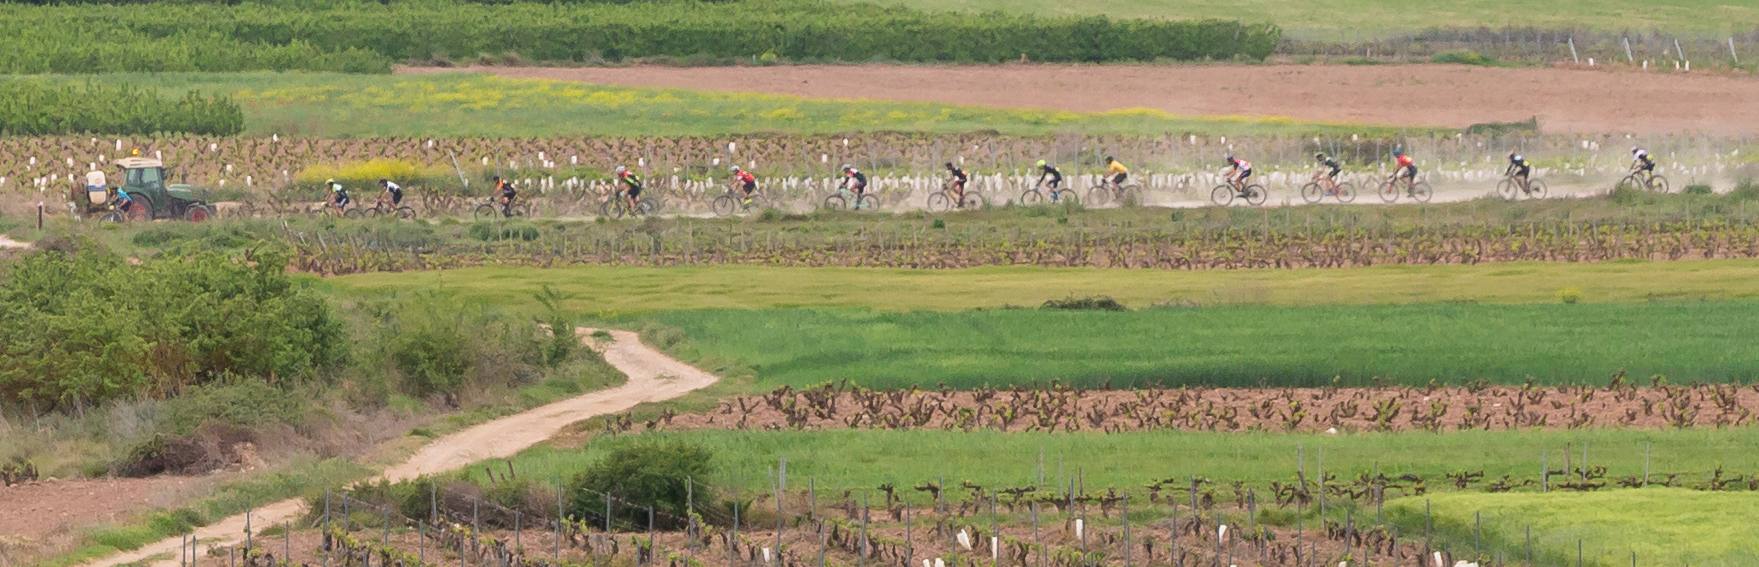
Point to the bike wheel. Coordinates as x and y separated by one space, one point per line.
1098 196
353 214
1222 195
1389 192
1032 197
1421 191
485 212
1536 189
1658 184
1129 196
113 216
1508 190
1065 197
836 203
1256 195
867 202
939 202
971 201
724 205
404 213
1346 192
1312 192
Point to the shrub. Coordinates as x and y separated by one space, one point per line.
1746 190
1466 57
1570 295
1095 303
239 402
79 325
490 231
649 471
1698 189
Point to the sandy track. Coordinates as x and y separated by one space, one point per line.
10 244
1454 96
653 377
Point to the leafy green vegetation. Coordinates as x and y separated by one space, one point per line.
366 36
32 108
1238 346
1656 526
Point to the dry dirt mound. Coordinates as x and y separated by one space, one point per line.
1453 96
653 377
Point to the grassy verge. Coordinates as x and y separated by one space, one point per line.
864 459
1653 526
610 291
468 105
1239 346
1362 18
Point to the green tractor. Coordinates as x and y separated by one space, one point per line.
144 181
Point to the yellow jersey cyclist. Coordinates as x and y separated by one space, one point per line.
1642 161
1115 173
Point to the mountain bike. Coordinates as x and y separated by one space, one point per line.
1036 195
617 206
1416 190
841 199
1226 193
384 207
949 198
331 209
1646 181
1316 191
736 201
492 208
1511 188
1104 193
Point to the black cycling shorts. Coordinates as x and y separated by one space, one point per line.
396 197
1334 172
749 186
1411 171
634 190
1119 178
1523 171
1648 166
342 200
1245 173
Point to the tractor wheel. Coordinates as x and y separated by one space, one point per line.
141 210
198 213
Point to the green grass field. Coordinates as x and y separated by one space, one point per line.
611 292
1660 526
1345 19
863 459
467 105
1238 346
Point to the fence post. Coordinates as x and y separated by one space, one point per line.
326 526
1037 541
781 486
287 542
1125 512
1573 54
691 529
861 551
651 548
1629 58
1737 58
1646 448
733 540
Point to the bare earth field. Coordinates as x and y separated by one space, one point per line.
38 509
1452 96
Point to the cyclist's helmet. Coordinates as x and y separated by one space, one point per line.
331 183
1041 163
949 165
1319 156
1108 159
848 168
1231 160
384 181
621 169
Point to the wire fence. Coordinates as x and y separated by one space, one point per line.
1580 46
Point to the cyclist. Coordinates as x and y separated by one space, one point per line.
746 182
123 201
506 195
957 181
855 181
338 195
1115 173
1050 177
631 186
1641 161
1331 168
1407 170
1519 169
1242 169
393 190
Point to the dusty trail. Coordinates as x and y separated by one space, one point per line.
653 377
10 244
1450 96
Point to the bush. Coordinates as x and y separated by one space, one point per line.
490 231
1698 189
78 325
1570 295
1095 303
1466 57
651 472
1746 190
242 402
33 108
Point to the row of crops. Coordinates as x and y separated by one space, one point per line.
32 108
361 36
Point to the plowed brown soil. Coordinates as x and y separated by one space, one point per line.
1565 100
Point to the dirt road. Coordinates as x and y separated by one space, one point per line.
10 244
653 377
1453 96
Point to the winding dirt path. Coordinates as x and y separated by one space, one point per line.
653 377
10 244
